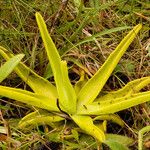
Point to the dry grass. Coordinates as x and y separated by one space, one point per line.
69 27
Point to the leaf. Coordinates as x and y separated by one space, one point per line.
110 117
75 134
87 94
79 84
67 93
31 78
125 66
39 117
113 145
101 125
120 139
130 88
67 97
8 67
29 98
119 104
86 124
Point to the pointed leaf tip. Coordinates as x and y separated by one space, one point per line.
87 94
66 93
8 67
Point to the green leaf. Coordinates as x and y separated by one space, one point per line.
120 139
86 124
75 134
35 81
67 97
125 66
87 94
8 67
114 106
113 145
29 98
111 117
130 88
79 84
67 93
39 117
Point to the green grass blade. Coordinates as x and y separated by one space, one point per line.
123 103
86 124
87 94
140 136
37 83
29 98
107 31
9 66
65 90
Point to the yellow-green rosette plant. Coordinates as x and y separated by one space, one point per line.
80 101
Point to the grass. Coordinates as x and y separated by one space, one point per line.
84 37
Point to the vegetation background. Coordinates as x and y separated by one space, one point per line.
84 36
